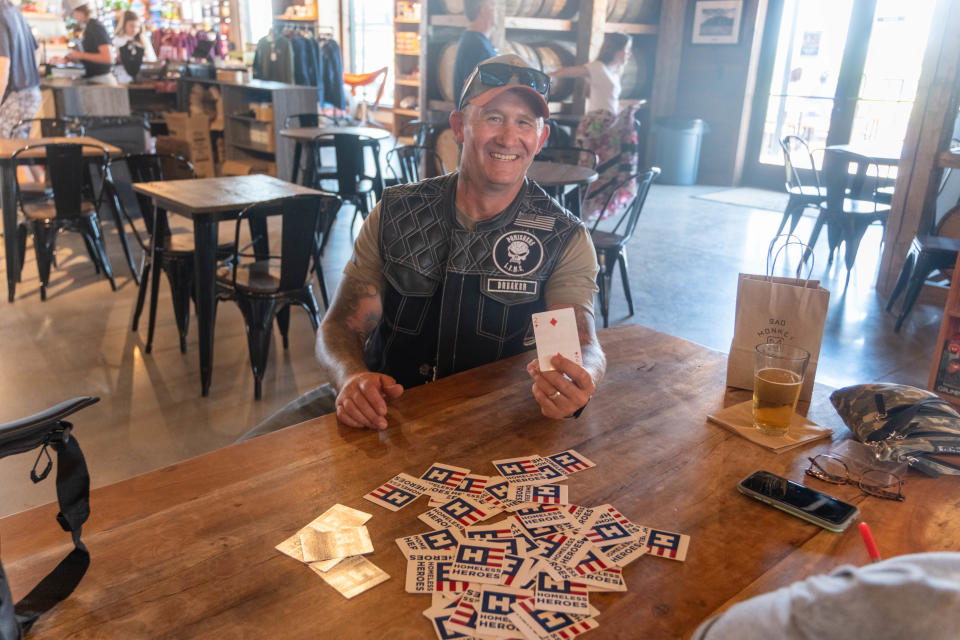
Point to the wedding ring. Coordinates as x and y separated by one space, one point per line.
554 396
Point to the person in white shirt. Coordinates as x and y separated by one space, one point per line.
602 74
130 35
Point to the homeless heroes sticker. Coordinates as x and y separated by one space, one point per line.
517 253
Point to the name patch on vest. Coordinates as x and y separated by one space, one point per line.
517 253
502 285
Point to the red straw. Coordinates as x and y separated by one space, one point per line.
868 540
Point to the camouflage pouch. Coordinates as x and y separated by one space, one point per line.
902 423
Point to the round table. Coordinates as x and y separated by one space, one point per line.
563 181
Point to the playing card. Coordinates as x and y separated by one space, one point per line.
460 512
445 474
605 580
562 595
327 545
562 549
548 625
545 516
666 544
473 483
478 562
529 470
441 543
587 558
538 494
398 492
556 334
354 576
427 576
464 617
494 609
624 553
336 517
571 461
608 526
516 569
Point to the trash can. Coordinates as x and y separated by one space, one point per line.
678 148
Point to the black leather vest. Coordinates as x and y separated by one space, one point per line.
458 299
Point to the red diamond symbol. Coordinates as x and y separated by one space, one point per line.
553 321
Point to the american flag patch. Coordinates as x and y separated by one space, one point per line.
535 221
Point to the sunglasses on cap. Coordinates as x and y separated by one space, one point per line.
498 74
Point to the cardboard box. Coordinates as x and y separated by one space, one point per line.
261 134
195 131
262 111
247 167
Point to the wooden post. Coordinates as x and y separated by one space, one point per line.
666 74
928 133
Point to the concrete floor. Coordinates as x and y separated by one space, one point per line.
684 261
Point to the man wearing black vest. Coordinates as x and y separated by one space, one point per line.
446 272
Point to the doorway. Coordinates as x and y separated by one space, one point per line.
835 72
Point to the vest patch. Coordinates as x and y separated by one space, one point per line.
502 285
535 221
517 253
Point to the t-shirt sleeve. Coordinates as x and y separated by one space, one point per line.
574 281
365 264
5 42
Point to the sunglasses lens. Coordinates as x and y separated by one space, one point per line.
498 75
882 484
829 469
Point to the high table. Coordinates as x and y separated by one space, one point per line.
556 177
187 551
8 193
306 135
207 201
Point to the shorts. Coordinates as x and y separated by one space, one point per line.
19 105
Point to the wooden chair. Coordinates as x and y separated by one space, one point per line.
65 166
850 204
611 242
265 286
802 193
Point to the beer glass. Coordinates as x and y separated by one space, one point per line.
778 371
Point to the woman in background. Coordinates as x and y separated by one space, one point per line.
606 129
130 45
97 55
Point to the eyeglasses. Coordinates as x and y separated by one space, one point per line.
872 481
498 74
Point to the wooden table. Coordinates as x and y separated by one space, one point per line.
306 135
8 194
883 157
187 551
207 201
557 177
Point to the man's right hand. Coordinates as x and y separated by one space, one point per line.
362 401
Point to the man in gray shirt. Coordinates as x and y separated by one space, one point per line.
19 80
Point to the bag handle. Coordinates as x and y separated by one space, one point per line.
49 429
791 239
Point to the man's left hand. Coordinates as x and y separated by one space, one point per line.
562 391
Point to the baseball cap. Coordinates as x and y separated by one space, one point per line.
508 72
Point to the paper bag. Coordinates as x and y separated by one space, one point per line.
776 310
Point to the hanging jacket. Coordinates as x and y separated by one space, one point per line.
274 60
333 89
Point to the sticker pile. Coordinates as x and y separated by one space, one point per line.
529 574
333 546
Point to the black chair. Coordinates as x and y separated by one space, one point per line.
353 183
559 135
65 167
611 242
170 253
266 286
850 204
930 253
802 194
405 163
308 167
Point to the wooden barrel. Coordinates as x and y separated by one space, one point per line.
449 6
564 9
448 149
636 11
554 56
444 70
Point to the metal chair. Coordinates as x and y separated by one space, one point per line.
353 183
611 244
850 204
309 166
405 163
802 195
265 286
65 166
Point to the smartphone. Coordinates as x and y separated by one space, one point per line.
811 505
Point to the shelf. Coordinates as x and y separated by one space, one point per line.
407 53
237 116
408 82
406 112
282 19
633 29
540 24
406 21
249 146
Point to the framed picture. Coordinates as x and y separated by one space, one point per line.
717 21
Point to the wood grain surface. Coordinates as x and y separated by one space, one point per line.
9 145
217 195
187 551
556 174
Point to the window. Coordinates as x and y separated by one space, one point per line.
371 44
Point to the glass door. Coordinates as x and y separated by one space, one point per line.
836 72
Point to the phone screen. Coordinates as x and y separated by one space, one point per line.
818 505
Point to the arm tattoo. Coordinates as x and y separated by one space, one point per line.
353 315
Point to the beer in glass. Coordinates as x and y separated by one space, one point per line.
778 371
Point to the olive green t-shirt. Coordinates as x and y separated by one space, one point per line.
573 281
